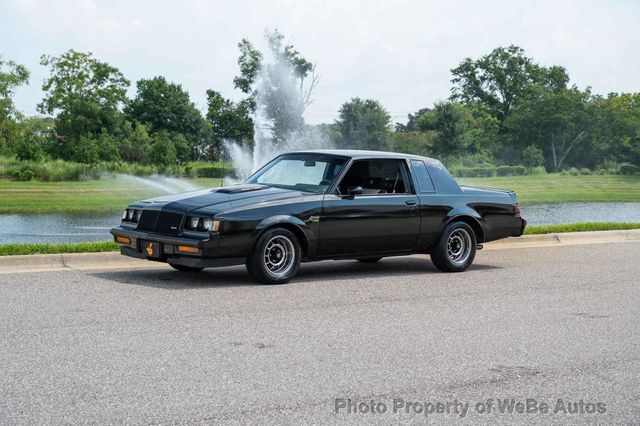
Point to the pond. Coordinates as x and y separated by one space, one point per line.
58 228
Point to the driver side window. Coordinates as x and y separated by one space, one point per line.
376 177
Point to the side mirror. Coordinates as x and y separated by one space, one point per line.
354 190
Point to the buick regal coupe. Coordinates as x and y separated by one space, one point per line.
319 205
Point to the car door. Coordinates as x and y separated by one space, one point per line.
381 220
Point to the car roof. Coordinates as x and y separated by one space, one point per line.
361 154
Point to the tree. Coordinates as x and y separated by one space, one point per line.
85 94
134 142
277 88
229 121
12 76
555 121
616 128
163 151
164 106
532 156
33 137
457 129
363 124
250 61
498 80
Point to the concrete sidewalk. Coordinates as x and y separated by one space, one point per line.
113 260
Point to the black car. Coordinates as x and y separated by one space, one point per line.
317 205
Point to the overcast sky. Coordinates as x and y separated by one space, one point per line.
398 52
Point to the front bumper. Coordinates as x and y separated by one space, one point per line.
203 251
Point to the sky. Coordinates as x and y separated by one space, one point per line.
397 52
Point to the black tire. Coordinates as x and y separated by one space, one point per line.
456 248
185 268
275 258
369 259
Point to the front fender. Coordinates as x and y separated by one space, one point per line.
295 224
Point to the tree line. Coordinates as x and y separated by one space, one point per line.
504 109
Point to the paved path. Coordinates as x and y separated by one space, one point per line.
159 346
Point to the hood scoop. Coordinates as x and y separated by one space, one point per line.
237 189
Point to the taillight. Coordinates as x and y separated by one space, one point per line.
517 210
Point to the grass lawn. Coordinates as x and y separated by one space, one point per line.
94 196
558 188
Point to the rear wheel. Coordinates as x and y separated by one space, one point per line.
456 248
185 268
369 259
275 259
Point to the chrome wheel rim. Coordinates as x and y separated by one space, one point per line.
279 256
459 246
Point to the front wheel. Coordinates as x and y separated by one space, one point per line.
456 248
275 258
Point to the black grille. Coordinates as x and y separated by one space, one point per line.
147 221
168 223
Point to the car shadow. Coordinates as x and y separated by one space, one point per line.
237 276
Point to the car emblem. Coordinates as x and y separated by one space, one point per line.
150 249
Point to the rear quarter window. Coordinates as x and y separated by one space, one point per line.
419 170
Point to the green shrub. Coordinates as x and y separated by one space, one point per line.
487 171
532 156
573 171
537 171
22 173
585 171
629 169
29 149
215 170
511 171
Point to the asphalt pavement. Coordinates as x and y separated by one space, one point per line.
339 344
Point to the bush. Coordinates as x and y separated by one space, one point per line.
22 173
532 156
28 149
585 171
85 151
537 171
573 171
511 171
629 169
486 171
107 147
215 170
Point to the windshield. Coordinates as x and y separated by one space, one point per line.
304 172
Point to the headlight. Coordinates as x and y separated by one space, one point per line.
131 215
211 225
193 222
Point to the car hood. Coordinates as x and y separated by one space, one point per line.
219 199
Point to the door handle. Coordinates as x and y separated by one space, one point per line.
410 203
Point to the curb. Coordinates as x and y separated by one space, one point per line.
566 239
71 261
114 260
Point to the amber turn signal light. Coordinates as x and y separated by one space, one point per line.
188 249
123 240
